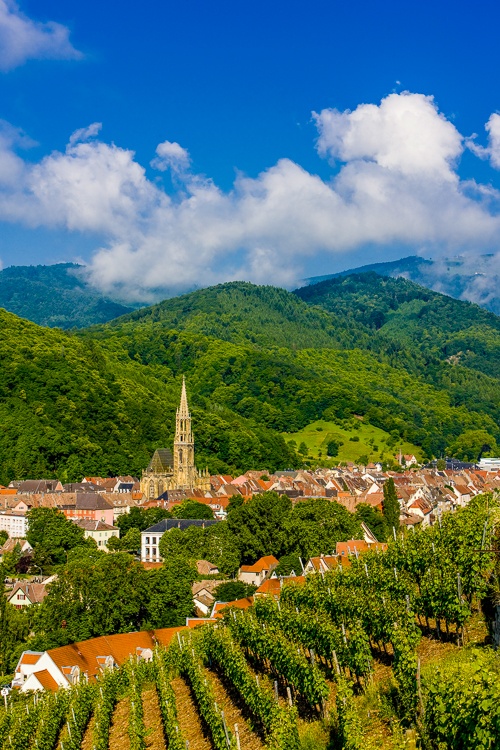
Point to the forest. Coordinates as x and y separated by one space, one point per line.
259 362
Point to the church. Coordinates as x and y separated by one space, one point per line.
177 470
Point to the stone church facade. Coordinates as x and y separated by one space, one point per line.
175 470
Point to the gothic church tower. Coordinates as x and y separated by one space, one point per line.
185 474
175 470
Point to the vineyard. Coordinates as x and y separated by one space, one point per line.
386 652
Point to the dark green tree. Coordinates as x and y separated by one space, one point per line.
169 595
230 591
52 535
258 525
315 526
192 509
390 507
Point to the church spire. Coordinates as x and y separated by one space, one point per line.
183 410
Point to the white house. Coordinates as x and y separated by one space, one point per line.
257 573
99 531
14 523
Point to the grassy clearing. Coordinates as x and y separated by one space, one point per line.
358 439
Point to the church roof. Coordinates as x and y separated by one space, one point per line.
162 461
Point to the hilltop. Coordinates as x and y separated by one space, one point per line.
475 279
56 295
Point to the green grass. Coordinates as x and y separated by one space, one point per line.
372 441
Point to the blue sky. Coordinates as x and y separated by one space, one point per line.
235 84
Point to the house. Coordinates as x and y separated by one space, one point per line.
67 665
321 564
272 586
10 545
256 574
150 538
206 568
91 506
14 523
33 486
99 531
203 596
26 593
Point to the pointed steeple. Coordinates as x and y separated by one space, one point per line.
183 410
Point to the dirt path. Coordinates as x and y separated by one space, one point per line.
249 740
155 739
87 737
189 720
118 733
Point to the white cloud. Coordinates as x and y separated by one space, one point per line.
22 39
170 155
405 133
493 128
397 185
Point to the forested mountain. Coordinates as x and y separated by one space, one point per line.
259 361
464 277
55 295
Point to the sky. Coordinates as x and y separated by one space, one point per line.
170 146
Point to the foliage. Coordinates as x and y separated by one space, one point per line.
55 295
192 509
374 519
390 507
52 535
230 591
462 703
170 599
280 723
3 537
140 518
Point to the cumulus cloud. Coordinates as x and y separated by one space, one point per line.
23 39
170 155
395 183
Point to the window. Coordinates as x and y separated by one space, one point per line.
147 540
153 540
154 551
147 551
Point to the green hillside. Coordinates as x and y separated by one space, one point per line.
259 362
353 440
55 296
69 407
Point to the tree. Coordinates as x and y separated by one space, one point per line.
303 449
288 563
51 535
257 525
131 542
93 596
141 518
374 519
332 448
114 543
3 537
390 506
192 509
471 443
230 591
169 597
314 526
221 548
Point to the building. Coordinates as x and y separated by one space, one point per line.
14 523
25 594
150 538
257 573
177 470
90 506
99 531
